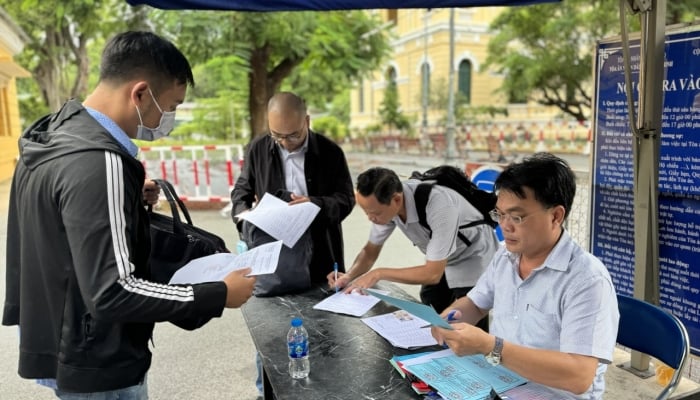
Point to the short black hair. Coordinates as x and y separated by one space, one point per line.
548 176
380 182
137 54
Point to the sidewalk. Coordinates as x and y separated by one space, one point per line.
216 361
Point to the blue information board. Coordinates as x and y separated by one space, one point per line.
612 218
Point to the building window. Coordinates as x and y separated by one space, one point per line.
393 16
391 75
465 81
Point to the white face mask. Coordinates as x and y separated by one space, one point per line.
165 126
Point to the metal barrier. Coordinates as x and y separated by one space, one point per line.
196 172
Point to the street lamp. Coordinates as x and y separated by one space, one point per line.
425 77
450 131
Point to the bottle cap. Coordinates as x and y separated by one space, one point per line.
296 322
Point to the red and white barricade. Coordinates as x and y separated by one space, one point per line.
203 173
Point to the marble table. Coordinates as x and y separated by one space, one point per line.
348 359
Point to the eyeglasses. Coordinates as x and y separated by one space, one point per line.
502 218
292 137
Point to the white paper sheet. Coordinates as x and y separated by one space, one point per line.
262 260
401 329
355 304
280 220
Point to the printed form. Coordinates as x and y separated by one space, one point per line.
262 260
280 220
355 304
402 329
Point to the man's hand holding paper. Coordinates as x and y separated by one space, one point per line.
281 220
422 311
262 260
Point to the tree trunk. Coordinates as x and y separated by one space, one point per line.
83 62
259 91
262 84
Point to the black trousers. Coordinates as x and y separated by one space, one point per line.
440 296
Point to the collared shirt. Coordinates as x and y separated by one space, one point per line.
445 211
117 133
568 304
293 165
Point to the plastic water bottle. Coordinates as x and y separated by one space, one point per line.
298 346
241 247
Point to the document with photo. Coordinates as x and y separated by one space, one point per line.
402 329
419 310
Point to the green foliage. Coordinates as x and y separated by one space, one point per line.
463 112
545 51
390 108
331 127
340 106
59 51
346 46
31 105
315 54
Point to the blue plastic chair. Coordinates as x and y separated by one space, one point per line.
656 332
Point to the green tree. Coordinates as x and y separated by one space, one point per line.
545 51
319 53
219 102
465 113
57 53
390 108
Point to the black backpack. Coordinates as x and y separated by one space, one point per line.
455 179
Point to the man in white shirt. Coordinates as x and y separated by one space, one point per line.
452 265
553 306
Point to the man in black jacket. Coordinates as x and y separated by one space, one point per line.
306 166
299 165
78 233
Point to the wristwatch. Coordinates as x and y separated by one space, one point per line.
494 357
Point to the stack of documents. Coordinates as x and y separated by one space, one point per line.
402 329
458 378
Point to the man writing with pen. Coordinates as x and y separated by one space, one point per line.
452 265
298 165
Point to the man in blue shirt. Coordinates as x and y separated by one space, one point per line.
553 305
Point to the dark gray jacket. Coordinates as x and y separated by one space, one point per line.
328 183
77 259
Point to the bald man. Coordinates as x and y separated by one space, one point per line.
299 165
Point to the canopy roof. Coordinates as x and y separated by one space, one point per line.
323 5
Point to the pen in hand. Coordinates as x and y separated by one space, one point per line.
450 318
335 274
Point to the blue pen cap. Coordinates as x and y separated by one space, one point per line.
296 322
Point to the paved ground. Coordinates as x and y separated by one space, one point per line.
216 361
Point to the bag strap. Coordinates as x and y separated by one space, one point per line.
171 195
176 205
421 196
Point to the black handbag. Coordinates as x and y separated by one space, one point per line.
174 243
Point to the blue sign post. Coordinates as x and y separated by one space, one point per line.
484 178
612 225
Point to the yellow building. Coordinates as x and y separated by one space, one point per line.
12 40
421 44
